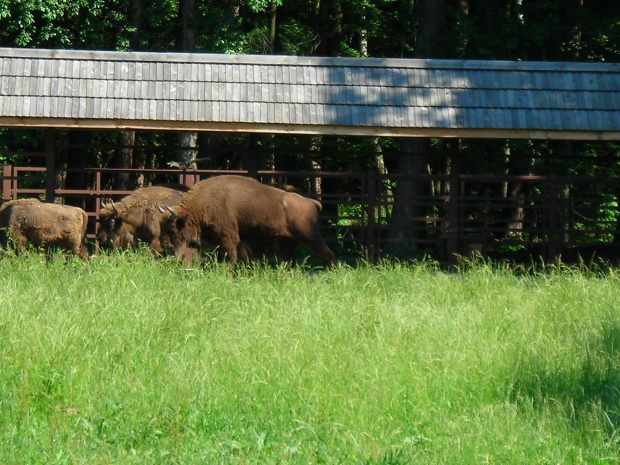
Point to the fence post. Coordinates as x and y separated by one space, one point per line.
98 194
552 211
371 226
7 175
454 210
189 179
50 165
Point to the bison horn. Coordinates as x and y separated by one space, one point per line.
104 205
161 210
172 212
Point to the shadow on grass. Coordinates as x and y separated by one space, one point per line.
589 387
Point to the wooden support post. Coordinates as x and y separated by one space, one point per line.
50 165
371 227
7 178
189 177
250 156
454 210
553 219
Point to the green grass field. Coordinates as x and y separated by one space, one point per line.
145 361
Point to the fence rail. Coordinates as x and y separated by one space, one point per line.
369 215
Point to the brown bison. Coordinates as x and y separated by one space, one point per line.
30 221
226 210
135 219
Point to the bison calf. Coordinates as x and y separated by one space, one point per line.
226 210
30 221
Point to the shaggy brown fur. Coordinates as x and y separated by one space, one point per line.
136 218
30 221
224 210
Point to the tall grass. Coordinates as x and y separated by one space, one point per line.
145 361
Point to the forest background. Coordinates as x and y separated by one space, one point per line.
550 30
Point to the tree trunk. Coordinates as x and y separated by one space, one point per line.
125 153
137 19
462 21
273 28
77 159
189 12
405 230
575 32
250 155
453 214
404 225
124 156
518 192
187 141
408 21
311 164
385 186
187 150
329 27
431 28
268 158
210 144
140 159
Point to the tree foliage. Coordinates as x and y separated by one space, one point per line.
587 30
559 30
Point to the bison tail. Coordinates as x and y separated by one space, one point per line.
317 204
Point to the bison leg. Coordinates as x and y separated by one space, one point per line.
311 237
321 250
245 252
327 256
228 247
77 247
303 224
21 245
286 250
318 246
83 252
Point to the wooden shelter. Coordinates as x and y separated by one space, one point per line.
99 90
309 95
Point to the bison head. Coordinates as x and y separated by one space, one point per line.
174 233
112 232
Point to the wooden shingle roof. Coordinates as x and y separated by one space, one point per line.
285 94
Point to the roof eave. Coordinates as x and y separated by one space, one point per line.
370 131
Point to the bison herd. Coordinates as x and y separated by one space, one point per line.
235 215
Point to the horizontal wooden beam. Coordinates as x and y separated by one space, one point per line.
152 125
